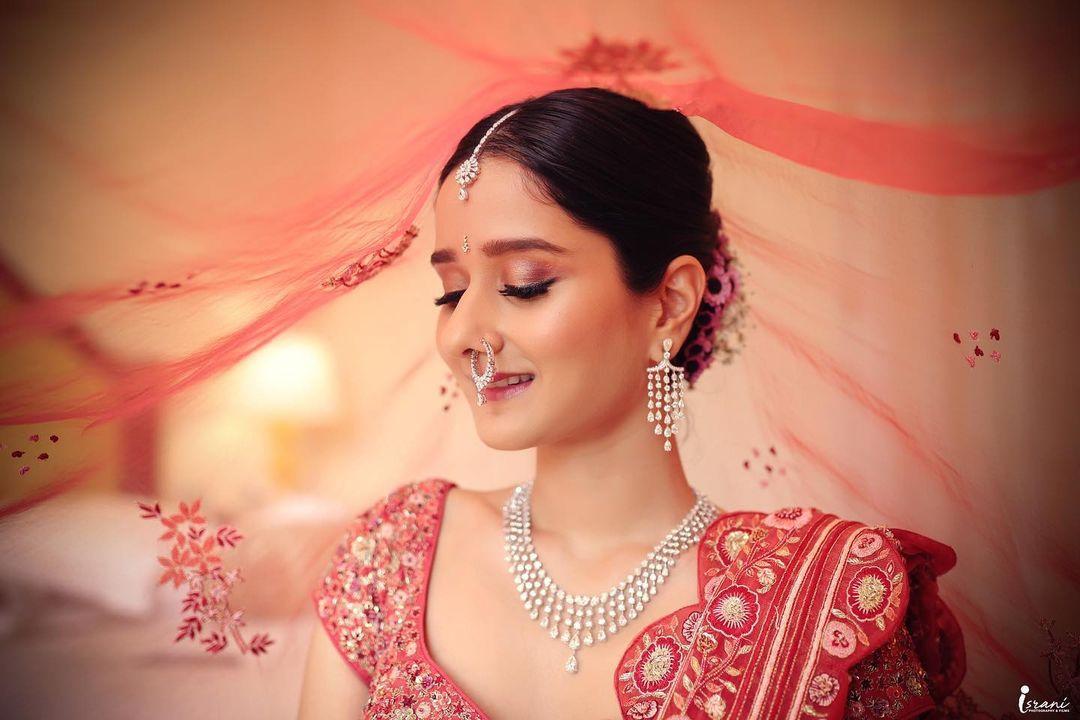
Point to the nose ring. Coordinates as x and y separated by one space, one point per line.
481 380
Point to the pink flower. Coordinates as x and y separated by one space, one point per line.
788 518
823 689
866 544
727 285
734 611
868 593
655 669
838 638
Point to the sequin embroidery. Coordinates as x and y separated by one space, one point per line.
370 602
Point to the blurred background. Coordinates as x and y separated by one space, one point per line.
167 175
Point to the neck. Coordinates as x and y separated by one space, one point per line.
595 494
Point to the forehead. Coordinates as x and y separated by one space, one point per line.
502 204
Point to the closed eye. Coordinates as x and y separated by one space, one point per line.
531 290
450 297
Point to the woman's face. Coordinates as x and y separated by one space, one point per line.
585 337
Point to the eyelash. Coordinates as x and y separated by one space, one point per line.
526 292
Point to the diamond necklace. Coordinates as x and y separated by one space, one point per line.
578 620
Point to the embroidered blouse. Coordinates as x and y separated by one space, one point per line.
801 614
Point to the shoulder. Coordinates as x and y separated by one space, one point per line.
417 498
852 574
812 531
857 541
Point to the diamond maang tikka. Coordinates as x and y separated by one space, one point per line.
470 168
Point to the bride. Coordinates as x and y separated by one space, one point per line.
587 285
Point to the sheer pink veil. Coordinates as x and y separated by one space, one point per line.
889 177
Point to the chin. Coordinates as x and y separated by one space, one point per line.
506 439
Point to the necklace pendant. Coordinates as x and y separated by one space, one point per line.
571 664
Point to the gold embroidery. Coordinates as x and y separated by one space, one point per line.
870 593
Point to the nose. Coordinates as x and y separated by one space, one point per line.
471 322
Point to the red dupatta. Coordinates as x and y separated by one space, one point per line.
796 609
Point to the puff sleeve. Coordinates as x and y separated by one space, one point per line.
923 662
347 598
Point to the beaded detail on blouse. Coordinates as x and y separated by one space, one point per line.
890 683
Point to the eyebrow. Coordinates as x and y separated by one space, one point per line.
501 246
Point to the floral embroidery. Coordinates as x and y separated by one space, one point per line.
838 638
823 689
690 624
656 669
740 562
715 707
643 710
872 594
733 541
867 544
765 577
706 642
734 611
868 592
790 518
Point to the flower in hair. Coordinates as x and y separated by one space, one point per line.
720 314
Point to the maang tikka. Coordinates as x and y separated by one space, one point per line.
667 385
481 380
470 167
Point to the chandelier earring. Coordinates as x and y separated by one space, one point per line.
666 388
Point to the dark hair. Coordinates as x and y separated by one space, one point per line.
637 175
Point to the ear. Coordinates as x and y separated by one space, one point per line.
680 295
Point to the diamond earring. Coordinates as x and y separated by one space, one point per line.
667 385
481 380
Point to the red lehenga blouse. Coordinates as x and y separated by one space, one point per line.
801 614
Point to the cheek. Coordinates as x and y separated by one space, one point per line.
583 331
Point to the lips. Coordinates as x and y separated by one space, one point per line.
505 392
509 379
